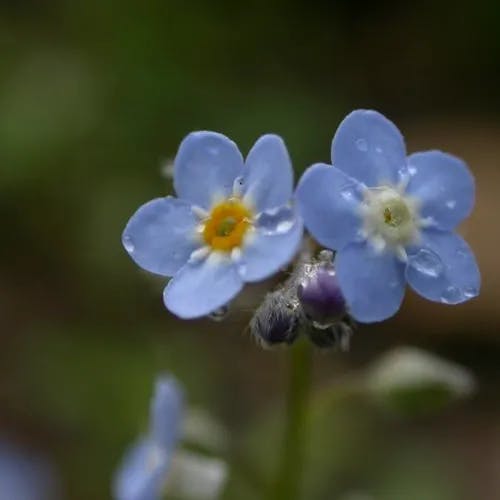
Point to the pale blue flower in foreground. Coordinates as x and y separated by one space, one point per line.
231 224
143 472
390 217
24 476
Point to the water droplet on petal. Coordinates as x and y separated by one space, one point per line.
452 295
220 313
128 244
412 170
238 185
277 221
362 145
427 262
451 204
470 292
379 150
403 172
462 254
347 193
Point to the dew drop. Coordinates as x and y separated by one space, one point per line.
128 244
403 172
412 170
452 295
347 193
379 150
426 262
470 292
451 204
219 314
238 186
277 221
362 145
461 254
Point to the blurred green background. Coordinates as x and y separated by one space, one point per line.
95 97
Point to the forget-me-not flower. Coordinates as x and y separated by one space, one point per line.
24 476
390 218
231 223
143 472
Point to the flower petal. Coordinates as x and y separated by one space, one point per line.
202 286
266 252
205 168
161 236
373 284
268 177
369 147
166 412
142 472
328 201
196 476
443 268
443 184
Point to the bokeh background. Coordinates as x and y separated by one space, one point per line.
95 97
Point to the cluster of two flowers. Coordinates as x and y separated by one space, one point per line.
389 219
388 216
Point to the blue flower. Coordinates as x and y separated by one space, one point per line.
390 218
231 223
24 476
143 472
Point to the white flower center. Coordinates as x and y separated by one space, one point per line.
390 219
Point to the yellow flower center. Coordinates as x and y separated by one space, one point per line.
227 225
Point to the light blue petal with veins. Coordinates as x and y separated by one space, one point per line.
268 178
270 248
443 268
160 236
202 286
329 202
206 167
142 473
372 284
444 186
167 408
370 148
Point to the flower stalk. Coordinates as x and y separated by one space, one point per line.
288 481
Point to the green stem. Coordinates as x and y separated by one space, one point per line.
289 475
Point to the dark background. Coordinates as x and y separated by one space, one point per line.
95 98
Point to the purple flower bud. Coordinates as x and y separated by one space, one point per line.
320 296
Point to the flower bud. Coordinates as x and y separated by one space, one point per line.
320 295
276 321
336 336
411 380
